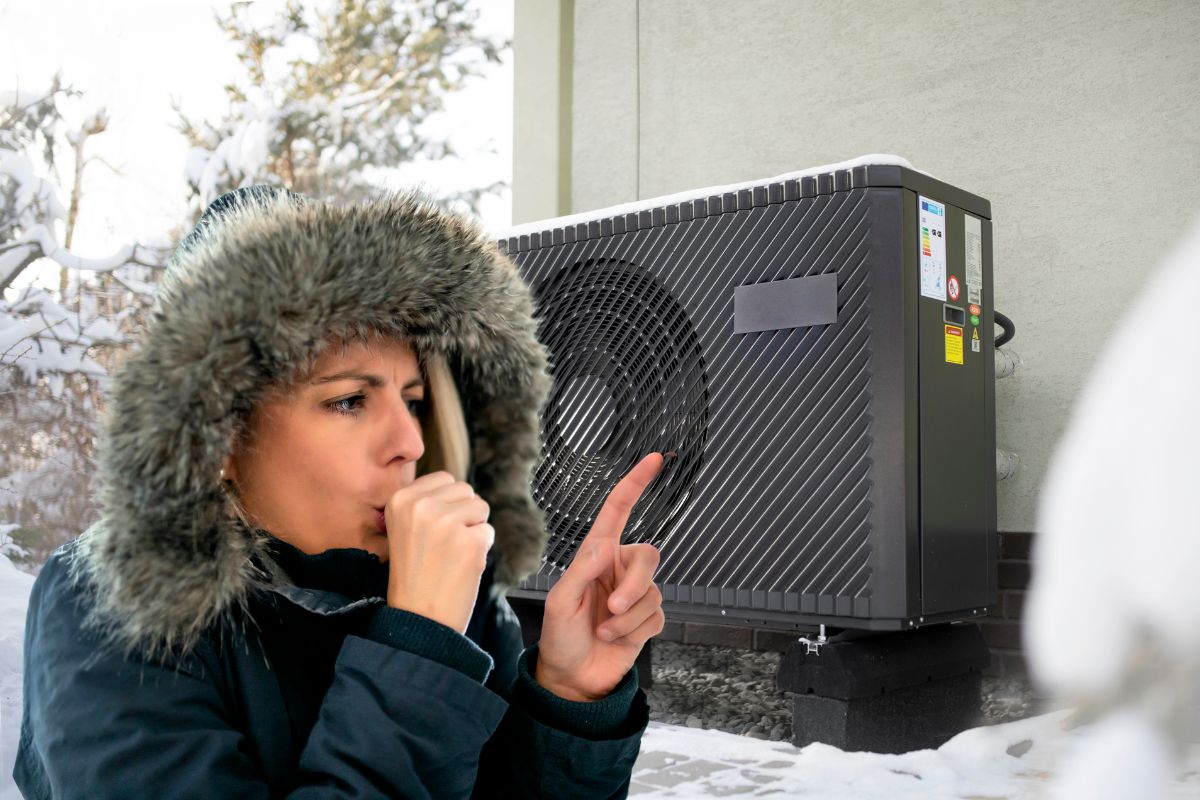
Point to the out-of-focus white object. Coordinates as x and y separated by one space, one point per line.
1112 622
1125 738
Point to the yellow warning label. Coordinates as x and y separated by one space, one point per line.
954 344
975 333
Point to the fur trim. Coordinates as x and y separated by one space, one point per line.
245 299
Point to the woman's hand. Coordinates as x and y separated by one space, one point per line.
438 540
607 588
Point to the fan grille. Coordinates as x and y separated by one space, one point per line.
629 380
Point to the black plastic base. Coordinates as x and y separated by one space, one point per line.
915 718
888 693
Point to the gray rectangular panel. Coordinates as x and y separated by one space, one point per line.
792 303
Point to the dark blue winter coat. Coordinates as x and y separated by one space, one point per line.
322 691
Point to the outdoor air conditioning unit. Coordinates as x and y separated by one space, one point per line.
817 349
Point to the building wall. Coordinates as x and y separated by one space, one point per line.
543 37
1077 120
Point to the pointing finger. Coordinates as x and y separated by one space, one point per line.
600 548
616 509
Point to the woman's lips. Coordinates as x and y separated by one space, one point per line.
380 520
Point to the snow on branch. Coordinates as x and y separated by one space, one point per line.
44 335
40 236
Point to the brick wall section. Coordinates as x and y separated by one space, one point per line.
726 636
1001 628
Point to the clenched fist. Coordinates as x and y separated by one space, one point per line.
438 540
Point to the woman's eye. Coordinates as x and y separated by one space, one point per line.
347 405
353 404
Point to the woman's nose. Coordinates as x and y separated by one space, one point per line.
403 432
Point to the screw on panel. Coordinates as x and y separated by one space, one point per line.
722 612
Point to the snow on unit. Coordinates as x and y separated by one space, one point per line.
696 194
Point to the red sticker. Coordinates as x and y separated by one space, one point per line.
952 287
975 309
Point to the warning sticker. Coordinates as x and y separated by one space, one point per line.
954 344
973 238
975 340
952 287
931 230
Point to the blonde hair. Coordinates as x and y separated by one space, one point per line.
443 425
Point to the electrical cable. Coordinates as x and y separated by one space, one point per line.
1010 330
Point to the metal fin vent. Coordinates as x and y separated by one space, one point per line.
629 380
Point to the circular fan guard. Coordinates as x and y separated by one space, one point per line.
628 380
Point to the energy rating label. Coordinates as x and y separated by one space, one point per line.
931 224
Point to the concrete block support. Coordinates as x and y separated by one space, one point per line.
912 718
886 693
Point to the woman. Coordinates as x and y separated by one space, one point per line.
315 488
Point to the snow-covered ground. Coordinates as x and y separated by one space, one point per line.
1014 761
14 597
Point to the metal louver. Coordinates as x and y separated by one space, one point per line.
628 379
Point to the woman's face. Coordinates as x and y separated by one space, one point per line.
321 459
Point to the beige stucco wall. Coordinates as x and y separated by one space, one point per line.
543 38
1077 119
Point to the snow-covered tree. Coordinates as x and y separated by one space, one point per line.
31 126
55 346
335 93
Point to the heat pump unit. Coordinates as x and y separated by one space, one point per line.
817 350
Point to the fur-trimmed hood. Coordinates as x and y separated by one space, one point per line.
264 277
